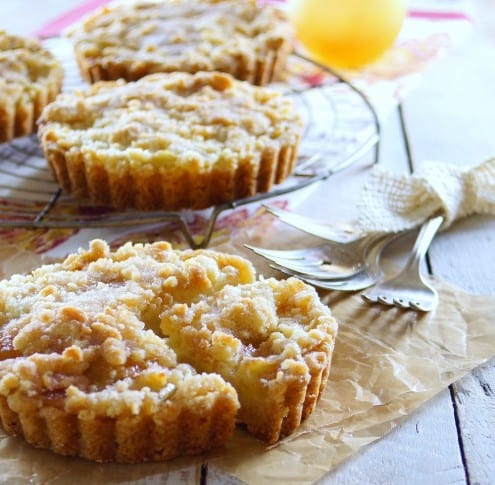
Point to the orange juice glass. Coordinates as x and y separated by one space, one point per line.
347 33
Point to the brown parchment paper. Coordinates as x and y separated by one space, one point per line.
387 362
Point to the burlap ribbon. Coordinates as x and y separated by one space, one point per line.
394 202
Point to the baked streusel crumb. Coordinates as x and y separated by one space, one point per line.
129 41
272 340
146 353
170 141
30 77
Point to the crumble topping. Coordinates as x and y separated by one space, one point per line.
182 35
274 320
86 325
107 344
177 118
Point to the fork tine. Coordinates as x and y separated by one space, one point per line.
329 261
320 230
341 284
424 306
401 302
418 306
316 272
330 282
408 288
369 275
288 254
385 300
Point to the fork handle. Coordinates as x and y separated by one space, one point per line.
425 237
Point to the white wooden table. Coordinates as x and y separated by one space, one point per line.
450 117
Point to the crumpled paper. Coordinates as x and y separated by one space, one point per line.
387 362
394 202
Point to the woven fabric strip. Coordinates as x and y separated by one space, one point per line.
394 202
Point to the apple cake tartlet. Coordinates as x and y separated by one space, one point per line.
170 141
146 353
129 41
30 77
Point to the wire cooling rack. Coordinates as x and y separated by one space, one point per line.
340 127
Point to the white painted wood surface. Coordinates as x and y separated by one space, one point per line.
451 117
459 127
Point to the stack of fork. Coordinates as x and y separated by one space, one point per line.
350 261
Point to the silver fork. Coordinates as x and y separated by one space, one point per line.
328 261
305 224
370 273
408 288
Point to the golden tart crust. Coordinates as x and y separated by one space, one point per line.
30 78
145 353
235 36
170 141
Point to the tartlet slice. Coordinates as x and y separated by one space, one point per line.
272 340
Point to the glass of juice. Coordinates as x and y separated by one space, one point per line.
346 33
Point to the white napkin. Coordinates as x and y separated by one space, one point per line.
393 202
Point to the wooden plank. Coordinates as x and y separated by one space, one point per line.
411 453
475 399
458 128
413 450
